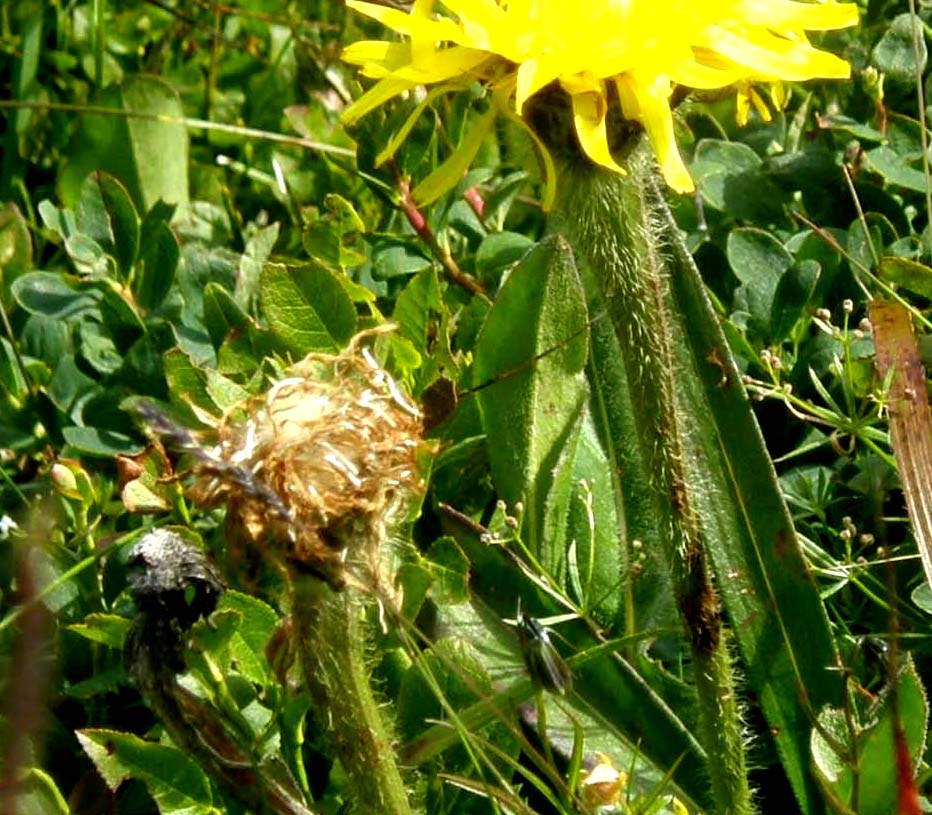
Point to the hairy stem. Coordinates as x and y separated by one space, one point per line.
613 224
329 629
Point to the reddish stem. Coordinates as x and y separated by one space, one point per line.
475 200
425 233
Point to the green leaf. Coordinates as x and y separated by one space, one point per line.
397 257
529 363
100 442
146 149
187 384
190 384
98 348
895 169
875 773
176 783
107 629
499 200
330 240
52 295
89 257
414 306
158 261
118 313
145 494
909 274
12 381
306 307
222 313
69 387
256 254
867 237
102 682
60 221
896 52
922 597
450 569
37 793
592 551
15 250
758 261
257 622
793 294
549 540
730 177
106 214
497 253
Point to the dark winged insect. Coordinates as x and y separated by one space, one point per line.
544 664
209 462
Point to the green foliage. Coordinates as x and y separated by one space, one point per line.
866 777
174 781
182 217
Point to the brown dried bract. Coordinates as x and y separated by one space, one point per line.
316 467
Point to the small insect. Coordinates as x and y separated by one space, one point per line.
211 463
544 664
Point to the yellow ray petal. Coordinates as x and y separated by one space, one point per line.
786 14
694 74
532 76
413 25
377 57
589 108
445 64
769 56
651 106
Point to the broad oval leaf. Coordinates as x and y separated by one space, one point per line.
147 148
306 307
51 295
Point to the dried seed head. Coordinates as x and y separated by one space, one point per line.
316 468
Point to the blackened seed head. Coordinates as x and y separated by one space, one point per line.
173 576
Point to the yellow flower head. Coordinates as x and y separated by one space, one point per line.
643 47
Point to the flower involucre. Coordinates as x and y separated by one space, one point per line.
643 47
315 469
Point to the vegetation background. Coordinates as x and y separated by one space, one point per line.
182 215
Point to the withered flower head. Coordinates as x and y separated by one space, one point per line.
335 442
316 468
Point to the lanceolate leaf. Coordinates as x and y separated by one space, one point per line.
779 621
529 369
771 600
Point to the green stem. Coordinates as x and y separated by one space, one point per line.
330 634
614 226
